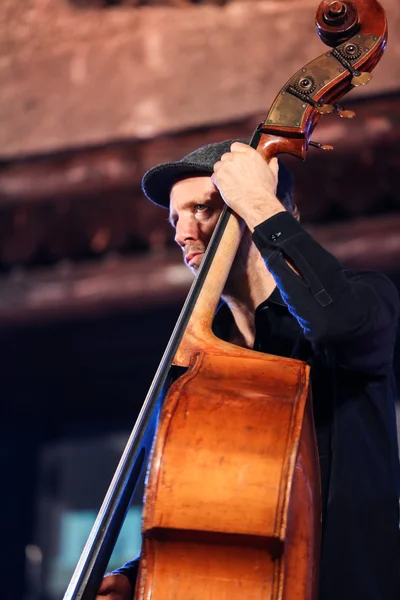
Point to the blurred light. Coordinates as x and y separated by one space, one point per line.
33 554
178 274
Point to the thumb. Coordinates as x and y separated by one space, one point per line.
274 166
213 179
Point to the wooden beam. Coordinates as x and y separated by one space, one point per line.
71 77
119 166
148 283
87 202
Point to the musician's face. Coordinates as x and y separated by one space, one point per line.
195 205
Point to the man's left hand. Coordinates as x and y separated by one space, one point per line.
115 587
248 184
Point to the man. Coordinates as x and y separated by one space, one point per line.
288 296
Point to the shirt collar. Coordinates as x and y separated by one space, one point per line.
274 298
223 317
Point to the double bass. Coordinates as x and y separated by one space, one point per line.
232 503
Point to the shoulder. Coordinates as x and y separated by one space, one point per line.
376 280
377 294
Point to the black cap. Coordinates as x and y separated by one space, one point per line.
158 181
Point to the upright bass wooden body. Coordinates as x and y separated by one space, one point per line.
233 495
232 504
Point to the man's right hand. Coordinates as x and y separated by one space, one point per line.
114 587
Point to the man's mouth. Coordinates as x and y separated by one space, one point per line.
189 258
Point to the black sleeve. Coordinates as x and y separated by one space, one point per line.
354 313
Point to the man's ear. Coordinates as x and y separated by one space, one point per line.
296 212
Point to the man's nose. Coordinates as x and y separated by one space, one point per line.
186 231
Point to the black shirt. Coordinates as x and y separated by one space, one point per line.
343 324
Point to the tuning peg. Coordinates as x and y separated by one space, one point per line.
360 78
321 146
342 112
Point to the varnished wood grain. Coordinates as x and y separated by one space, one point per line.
220 521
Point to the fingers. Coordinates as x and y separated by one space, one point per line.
236 148
226 157
105 585
240 147
217 166
229 156
274 166
114 587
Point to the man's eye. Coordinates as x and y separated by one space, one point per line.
201 207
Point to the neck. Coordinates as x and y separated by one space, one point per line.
249 284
